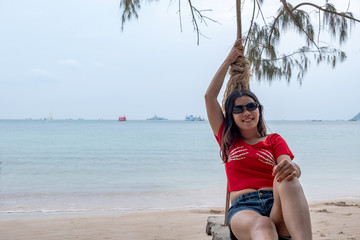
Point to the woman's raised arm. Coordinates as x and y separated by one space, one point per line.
213 108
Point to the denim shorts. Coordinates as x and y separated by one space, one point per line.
259 201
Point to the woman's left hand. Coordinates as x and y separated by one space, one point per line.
286 169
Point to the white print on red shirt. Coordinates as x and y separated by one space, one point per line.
238 153
266 157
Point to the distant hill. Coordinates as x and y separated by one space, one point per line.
356 118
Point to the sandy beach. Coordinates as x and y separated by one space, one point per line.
331 220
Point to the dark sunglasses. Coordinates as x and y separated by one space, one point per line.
250 107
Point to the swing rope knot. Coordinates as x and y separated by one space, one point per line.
239 78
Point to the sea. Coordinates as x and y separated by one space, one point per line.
92 166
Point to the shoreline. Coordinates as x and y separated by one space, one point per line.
16 205
331 219
44 213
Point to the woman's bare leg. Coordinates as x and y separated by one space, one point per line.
248 225
290 212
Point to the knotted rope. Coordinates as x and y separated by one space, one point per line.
239 78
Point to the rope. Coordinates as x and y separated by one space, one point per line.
238 19
227 204
239 78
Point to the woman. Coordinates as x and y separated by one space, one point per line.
267 198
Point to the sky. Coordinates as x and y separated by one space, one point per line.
70 59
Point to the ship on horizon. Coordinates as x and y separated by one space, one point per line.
193 118
156 118
122 119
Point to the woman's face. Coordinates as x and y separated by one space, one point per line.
247 120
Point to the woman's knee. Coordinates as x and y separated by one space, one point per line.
259 227
264 224
285 185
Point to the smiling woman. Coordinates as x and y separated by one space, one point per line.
267 198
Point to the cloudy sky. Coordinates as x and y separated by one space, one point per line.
70 59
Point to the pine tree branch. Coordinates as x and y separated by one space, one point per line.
196 27
303 52
251 23
325 10
309 4
273 25
290 12
260 10
195 13
179 12
261 40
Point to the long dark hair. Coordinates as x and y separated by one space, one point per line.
231 131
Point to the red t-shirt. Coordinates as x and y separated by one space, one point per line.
251 166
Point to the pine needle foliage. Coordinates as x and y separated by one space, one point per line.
262 40
262 51
130 9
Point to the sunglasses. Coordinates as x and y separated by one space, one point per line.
250 107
